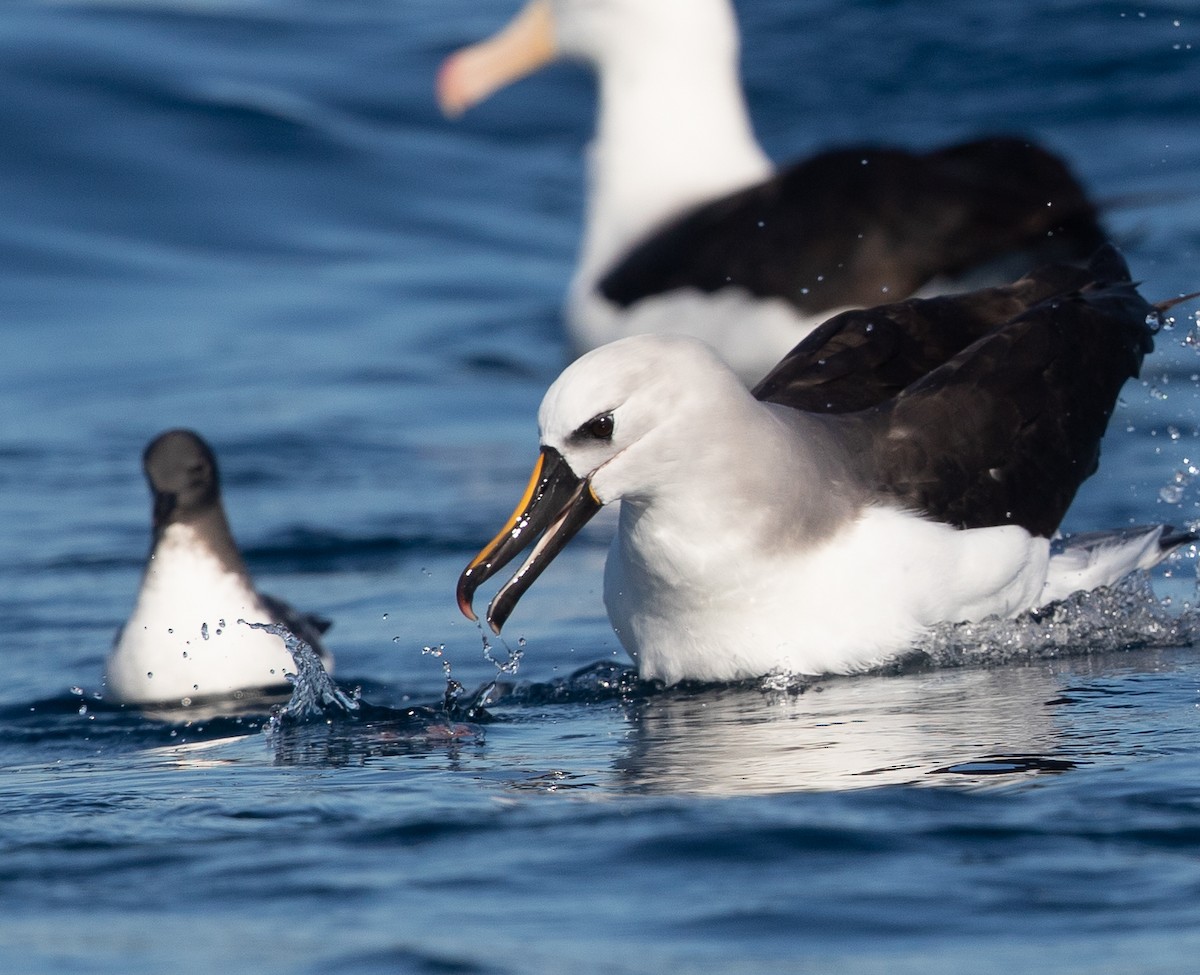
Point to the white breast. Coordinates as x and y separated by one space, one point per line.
183 639
845 605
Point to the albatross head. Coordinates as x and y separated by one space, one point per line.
181 470
608 34
623 421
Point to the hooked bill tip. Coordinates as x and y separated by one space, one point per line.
466 595
464 607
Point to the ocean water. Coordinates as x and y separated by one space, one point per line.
248 218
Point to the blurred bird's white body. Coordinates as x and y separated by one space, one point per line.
183 639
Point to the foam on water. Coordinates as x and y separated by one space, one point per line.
1125 616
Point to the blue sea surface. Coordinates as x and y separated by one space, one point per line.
249 218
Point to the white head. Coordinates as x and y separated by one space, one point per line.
612 35
618 34
673 129
633 420
633 416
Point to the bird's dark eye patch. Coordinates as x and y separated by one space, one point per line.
597 428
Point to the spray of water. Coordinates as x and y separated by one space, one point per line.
1125 616
313 691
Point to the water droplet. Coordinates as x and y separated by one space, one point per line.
203 632
1173 432
185 655
385 615
83 710
1171 493
149 674
77 691
170 630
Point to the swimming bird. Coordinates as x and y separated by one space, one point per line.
690 228
183 641
823 522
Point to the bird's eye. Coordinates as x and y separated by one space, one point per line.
600 427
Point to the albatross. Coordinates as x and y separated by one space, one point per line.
691 229
183 642
904 466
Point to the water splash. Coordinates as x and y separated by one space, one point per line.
313 690
454 690
506 670
509 666
1125 616
601 682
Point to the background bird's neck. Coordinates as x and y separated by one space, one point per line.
671 133
211 525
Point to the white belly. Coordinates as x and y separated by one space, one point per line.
847 605
183 639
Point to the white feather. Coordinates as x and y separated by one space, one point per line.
183 639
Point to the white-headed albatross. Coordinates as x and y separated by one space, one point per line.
183 641
689 227
905 465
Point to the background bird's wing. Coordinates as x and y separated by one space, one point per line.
851 226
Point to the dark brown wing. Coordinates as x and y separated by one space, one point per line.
1007 431
848 227
861 358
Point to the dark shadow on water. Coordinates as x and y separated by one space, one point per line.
73 726
410 960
